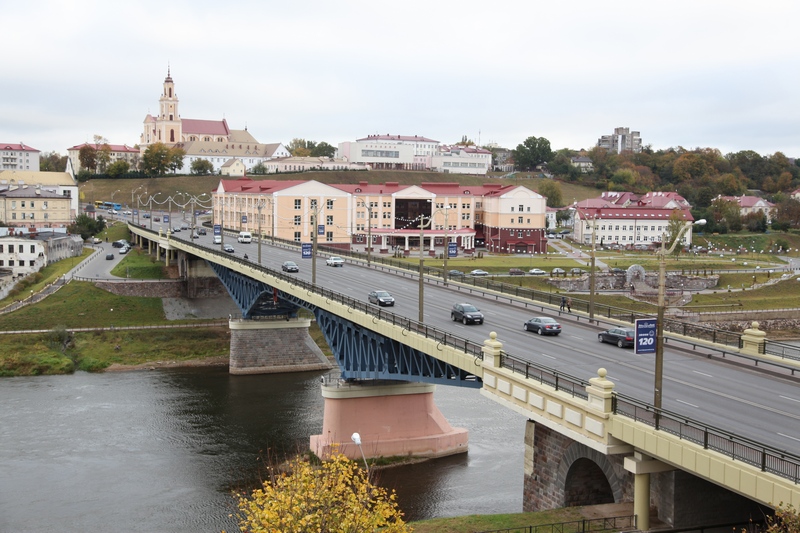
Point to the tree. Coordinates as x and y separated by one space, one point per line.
52 162
87 226
118 168
534 151
258 169
87 156
155 160
323 149
334 497
175 158
727 210
674 227
202 167
552 191
301 147
466 141
103 158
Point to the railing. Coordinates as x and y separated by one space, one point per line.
779 349
546 376
767 459
615 523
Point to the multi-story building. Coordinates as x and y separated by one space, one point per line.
583 163
305 164
18 157
390 152
504 218
58 189
626 226
117 152
27 253
751 204
462 160
622 140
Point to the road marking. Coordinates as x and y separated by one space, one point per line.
787 398
548 356
703 374
575 337
687 403
789 436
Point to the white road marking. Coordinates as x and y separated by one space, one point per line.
787 398
703 374
548 356
687 403
788 436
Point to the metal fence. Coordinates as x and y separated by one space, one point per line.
613 523
782 350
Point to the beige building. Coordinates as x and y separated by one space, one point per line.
33 207
504 218
62 184
233 167
117 152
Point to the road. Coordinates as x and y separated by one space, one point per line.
748 401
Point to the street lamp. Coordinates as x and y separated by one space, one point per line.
369 234
260 205
591 269
132 193
316 208
357 441
422 225
112 197
662 267
150 203
446 243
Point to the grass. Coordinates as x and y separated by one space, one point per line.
138 264
43 278
459 524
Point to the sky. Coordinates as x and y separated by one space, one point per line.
700 73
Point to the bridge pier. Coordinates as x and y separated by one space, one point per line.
393 419
273 346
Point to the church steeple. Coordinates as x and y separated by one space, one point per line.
169 121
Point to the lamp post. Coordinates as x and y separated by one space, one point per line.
260 205
315 208
591 268
357 441
132 193
422 225
112 197
150 203
369 233
662 275
446 242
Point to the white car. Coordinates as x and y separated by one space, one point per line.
536 272
334 262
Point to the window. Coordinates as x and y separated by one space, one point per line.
616 228
11 262
33 248
11 248
387 205
387 214
439 205
329 203
464 216
297 203
329 220
512 220
360 214
329 236
520 220
360 227
512 209
373 214
521 208
44 205
313 203
519 234
22 203
359 238
625 228
31 263
465 206
529 210
296 236
1 248
297 220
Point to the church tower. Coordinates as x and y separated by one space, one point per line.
169 121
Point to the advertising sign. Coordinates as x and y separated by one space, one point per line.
244 219
306 250
217 229
166 219
321 229
452 249
135 212
645 336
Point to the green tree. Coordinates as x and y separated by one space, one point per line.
300 147
259 169
323 149
52 162
86 226
552 191
728 211
175 158
674 228
335 497
466 141
118 168
202 167
87 156
156 159
534 151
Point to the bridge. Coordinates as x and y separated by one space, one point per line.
586 442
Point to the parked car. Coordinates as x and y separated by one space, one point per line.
622 337
95 240
109 257
577 271
478 272
156 219
616 270
290 266
543 325
455 274
120 243
536 272
557 272
146 215
381 298
551 236
227 248
467 314
564 232
124 250
334 262
516 272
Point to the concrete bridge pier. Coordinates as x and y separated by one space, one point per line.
393 419
273 345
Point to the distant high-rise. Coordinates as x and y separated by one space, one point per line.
623 140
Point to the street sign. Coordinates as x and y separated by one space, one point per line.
452 249
244 219
645 336
306 250
217 229
321 229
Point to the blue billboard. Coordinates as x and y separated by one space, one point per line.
645 336
452 249
244 219
217 229
166 219
306 250
321 229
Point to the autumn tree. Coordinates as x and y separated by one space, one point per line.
118 168
300 147
52 162
87 156
552 191
534 151
334 497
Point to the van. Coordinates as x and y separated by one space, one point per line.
217 239
245 237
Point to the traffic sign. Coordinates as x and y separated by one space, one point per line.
645 336
306 250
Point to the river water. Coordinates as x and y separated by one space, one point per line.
162 451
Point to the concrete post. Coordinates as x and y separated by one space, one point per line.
601 392
641 466
753 340
491 351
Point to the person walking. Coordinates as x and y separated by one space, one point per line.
563 302
569 305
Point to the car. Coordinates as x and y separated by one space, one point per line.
201 231
95 240
551 236
576 271
557 272
109 257
156 219
334 262
455 274
543 325
195 235
124 250
119 244
467 314
622 337
617 270
146 215
536 272
290 266
381 298
217 239
564 232
516 272
176 229
127 213
227 248
478 272
184 225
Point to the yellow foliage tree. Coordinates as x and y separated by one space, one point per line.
335 497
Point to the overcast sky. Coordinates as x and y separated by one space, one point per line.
721 74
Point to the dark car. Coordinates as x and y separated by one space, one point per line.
455 274
543 325
227 248
290 266
467 314
622 337
577 271
201 231
381 298
119 244
109 257
617 270
516 272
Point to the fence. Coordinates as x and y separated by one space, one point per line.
613 523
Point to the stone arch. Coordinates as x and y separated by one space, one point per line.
588 477
635 273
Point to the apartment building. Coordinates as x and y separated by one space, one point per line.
18 157
622 140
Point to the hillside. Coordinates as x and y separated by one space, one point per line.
122 190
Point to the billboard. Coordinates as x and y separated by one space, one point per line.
217 229
645 336
306 250
452 249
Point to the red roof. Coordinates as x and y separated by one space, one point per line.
630 213
18 147
249 186
746 201
205 127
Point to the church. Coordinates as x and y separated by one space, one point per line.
212 140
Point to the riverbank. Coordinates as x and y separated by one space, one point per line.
212 360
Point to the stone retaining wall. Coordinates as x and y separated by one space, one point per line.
148 289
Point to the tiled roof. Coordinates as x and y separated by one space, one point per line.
205 127
630 213
18 147
746 201
250 186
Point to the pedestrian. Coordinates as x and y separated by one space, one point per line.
569 305
563 302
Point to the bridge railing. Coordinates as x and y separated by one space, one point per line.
546 376
782 350
778 462
611 523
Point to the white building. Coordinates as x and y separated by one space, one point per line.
390 152
18 157
583 163
462 160
22 254
625 226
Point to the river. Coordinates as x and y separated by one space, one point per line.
162 451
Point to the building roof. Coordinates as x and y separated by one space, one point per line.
113 147
247 185
229 149
747 201
31 192
17 147
30 177
242 136
662 199
205 127
630 213
465 149
388 137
